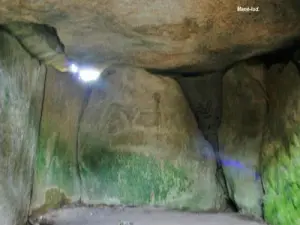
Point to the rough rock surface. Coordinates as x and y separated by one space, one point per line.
131 150
57 181
41 41
138 143
188 34
204 94
243 120
281 145
21 85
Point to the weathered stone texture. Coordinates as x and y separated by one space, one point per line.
164 34
241 132
139 144
281 145
21 89
57 180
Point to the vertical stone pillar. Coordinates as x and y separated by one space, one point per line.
21 92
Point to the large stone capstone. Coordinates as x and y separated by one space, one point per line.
191 35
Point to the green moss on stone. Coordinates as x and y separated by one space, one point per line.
130 177
112 176
54 165
282 185
54 199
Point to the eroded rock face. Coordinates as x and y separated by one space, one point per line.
21 86
41 41
237 101
187 34
138 145
260 133
241 133
281 145
138 142
204 94
57 181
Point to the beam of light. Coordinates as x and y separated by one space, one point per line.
88 75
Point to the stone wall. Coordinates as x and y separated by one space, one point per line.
259 139
57 181
241 133
137 144
281 145
132 139
21 91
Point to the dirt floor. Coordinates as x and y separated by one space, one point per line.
139 216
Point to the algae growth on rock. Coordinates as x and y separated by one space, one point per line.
118 177
281 146
56 156
149 138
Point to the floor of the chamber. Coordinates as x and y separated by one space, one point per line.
140 216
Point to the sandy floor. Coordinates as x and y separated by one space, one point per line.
141 216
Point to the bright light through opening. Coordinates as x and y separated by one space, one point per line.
73 68
88 75
85 74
